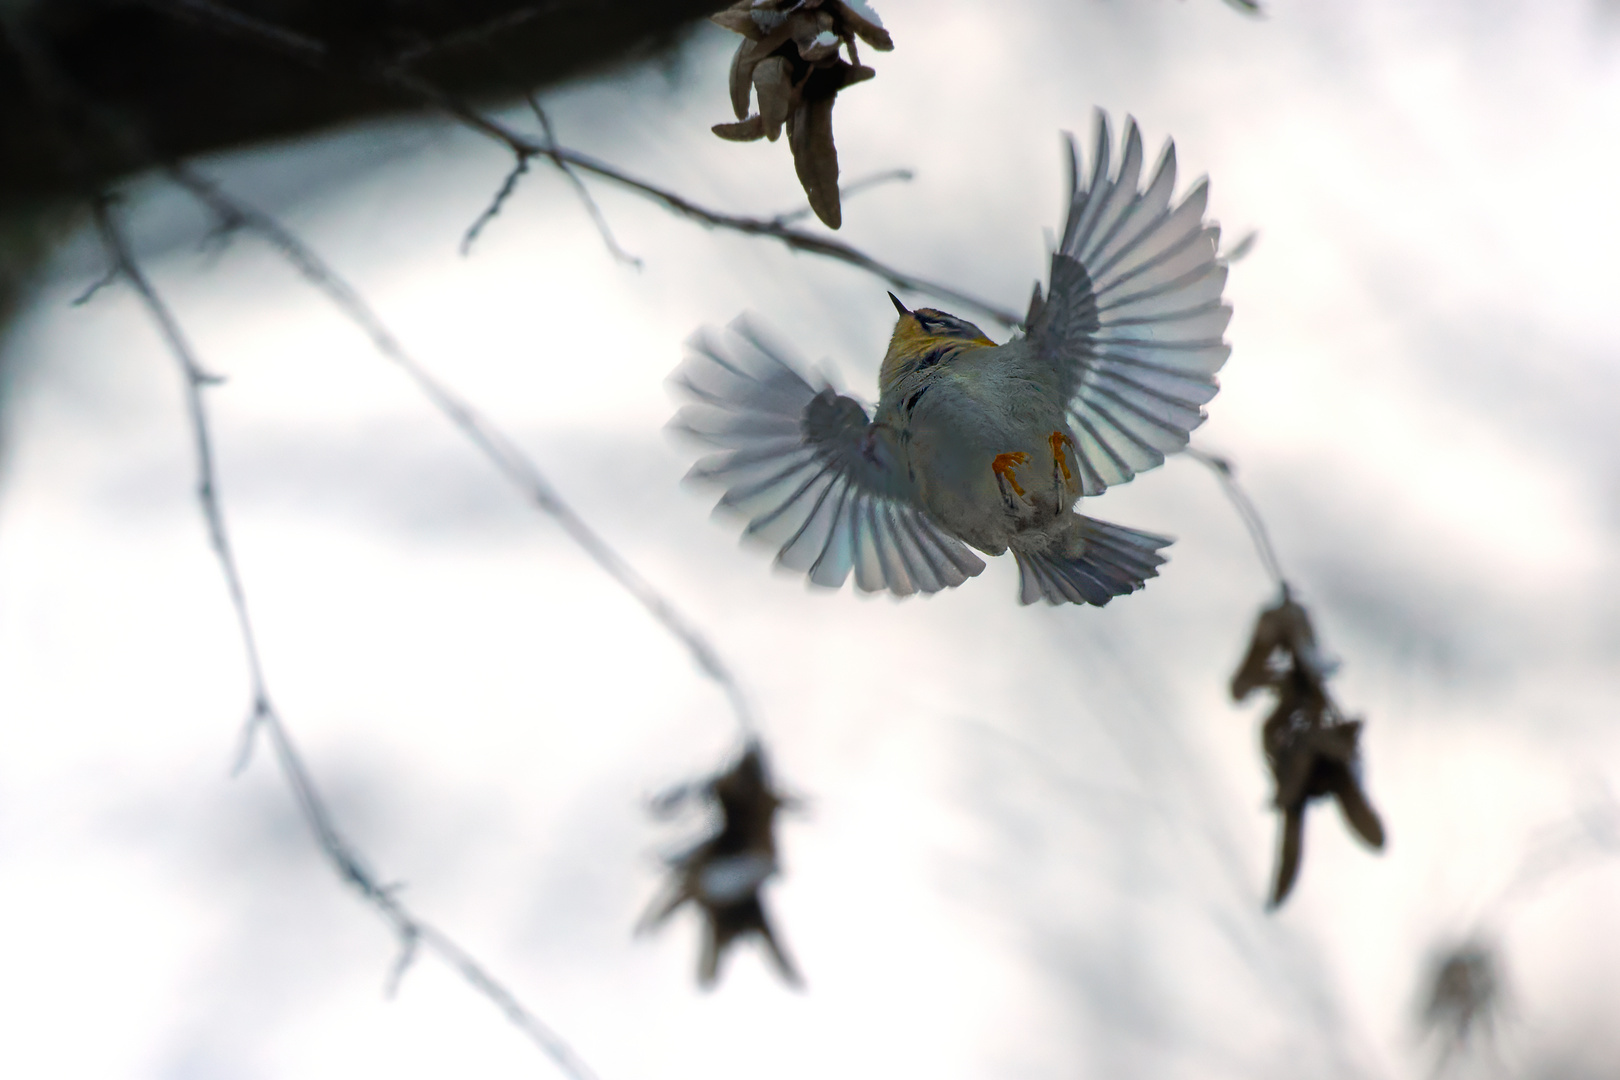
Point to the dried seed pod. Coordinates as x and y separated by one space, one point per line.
739 20
814 36
773 83
749 54
815 158
1312 750
742 73
855 17
723 874
1467 995
789 59
748 130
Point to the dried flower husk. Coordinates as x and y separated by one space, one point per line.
863 24
789 60
1287 626
773 84
1312 751
1465 992
815 158
723 875
747 130
749 54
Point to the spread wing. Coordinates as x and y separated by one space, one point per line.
1133 323
810 471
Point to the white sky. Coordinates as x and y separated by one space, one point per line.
1037 840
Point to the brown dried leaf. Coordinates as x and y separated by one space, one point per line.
1290 846
723 874
854 22
856 73
814 35
738 20
815 158
1466 991
749 54
1358 812
742 73
748 130
1294 769
1286 626
773 82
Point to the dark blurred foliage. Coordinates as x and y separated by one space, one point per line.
1312 749
723 873
1464 997
177 85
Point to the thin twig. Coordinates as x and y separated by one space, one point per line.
854 187
489 213
521 166
196 380
308 49
580 189
495 445
1222 468
407 927
473 35
314 53
794 239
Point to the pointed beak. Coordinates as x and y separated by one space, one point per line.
898 306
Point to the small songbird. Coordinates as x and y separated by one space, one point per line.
980 445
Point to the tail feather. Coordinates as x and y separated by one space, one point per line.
1085 561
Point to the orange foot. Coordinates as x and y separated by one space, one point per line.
1060 442
1004 464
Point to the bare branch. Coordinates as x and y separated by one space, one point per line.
408 942
196 380
474 35
407 927
854 187
309 51
495 445
580 189
302 47
508 186
1222 468
794 239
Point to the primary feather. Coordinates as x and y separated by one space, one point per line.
809 470
1133 321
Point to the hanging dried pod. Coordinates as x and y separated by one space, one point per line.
723 874
1313 751
789 60
1465 997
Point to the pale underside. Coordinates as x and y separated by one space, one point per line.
992 447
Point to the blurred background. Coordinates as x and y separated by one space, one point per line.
1035 842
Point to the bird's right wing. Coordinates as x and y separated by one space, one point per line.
810 471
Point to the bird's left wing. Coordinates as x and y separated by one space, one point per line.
1131 329
810 471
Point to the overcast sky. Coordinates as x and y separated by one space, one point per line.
1036 841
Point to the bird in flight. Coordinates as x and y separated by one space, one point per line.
976 445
